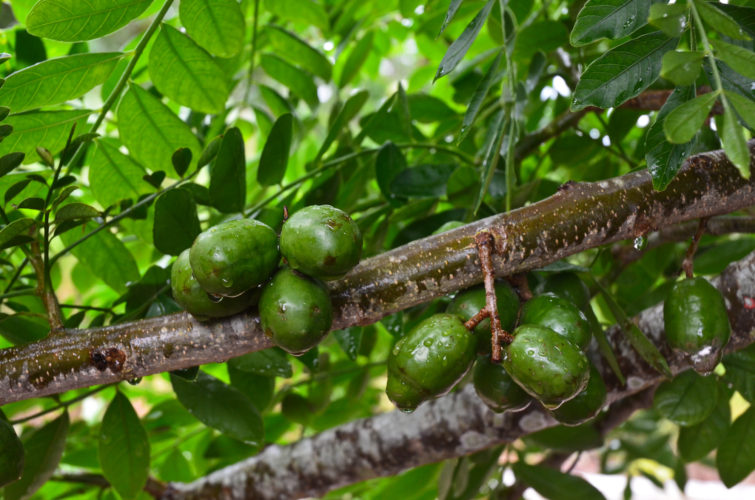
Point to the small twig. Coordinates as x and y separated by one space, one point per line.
521 285
153 487
688 263
60 406
484 242
475 320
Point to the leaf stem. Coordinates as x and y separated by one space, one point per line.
708 52
17 293
253 51
61 405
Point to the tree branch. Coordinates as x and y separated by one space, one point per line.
456 425
580 216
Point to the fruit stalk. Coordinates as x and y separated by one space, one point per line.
485 245
688 263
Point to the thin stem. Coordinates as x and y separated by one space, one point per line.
17 293
688 263
484 241
333 373
61 405
15 276
440 147
87 308
124 78
254 51
707 49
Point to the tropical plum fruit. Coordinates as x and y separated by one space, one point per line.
560 315
191 296
546 365
696 322
496 388
295 311
429 360
469 302
232 257
585 405
321 241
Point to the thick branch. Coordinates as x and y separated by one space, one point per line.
456 425
580 216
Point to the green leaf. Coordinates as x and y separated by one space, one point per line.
720 21
695 442
299 82
43 449
74 211
745 107
554 484
663 158
176 222
388 163
299 52
228 174
450 13
74 20
306 12
623 72
422 181
681 67
14 229
356 59
269 362
216 25
186 73
175 467
492 152
609 19
491 75
685 120
11 454
740 59
19 329
49 129
349 110
151 131
735 459
123 448
544 36
688 399
105 256
671 19
221 407
9 162
458 49
740 372
181 160
57 80
733 140
274 158
114 176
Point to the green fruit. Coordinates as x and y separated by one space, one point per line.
696 322
546 365
429 360
295 311
567 285
469 302
560 315
321 241
191 296
585 405
232 257
496 388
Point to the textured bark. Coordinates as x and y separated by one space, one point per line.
452 426
580 216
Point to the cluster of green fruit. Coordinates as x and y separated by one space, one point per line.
545 361
236 264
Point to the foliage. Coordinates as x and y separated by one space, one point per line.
129 126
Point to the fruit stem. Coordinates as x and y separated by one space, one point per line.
475 320
484 241
688 262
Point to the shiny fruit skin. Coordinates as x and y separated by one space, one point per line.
232 257
295 311
429 360
696 321
469 302
496 388
191 296
560 315
567 285
546 365
321 241
585 405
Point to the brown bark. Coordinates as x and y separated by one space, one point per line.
456 425
580 216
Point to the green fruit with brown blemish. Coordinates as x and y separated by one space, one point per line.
321 241
559 315
295 311
232 257
496 388
546 365
469 302
696 322
585 405
192 297
429 360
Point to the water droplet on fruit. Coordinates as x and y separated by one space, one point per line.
227 282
